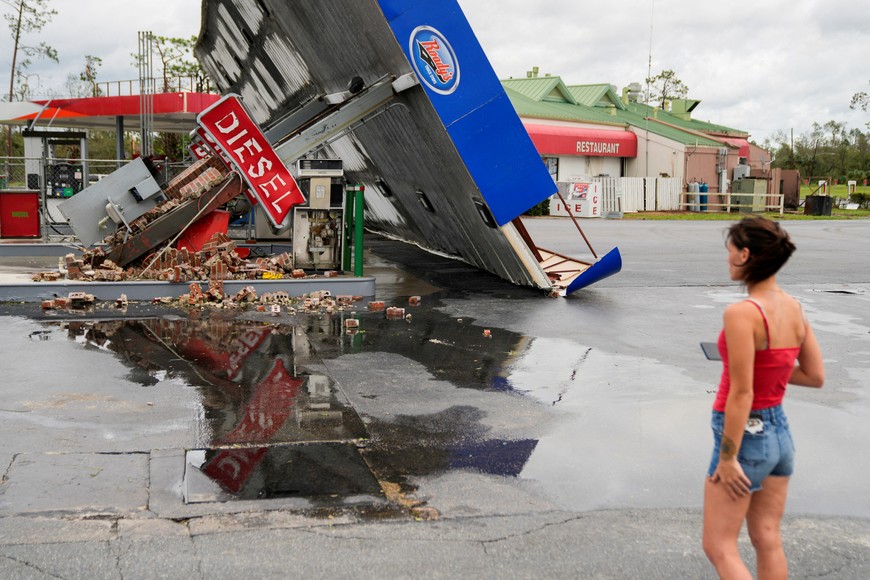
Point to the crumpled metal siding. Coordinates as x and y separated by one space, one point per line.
281 55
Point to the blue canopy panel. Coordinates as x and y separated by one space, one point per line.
471 103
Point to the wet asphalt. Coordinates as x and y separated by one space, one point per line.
490 432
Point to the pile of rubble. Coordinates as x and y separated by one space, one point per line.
189 184
316 302
217 260
75 300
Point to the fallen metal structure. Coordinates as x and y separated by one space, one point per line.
403 94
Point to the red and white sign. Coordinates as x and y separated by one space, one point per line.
198 149
229 125
559 140
581 200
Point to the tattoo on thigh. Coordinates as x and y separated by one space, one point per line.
728 449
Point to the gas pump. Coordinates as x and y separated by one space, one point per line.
318 226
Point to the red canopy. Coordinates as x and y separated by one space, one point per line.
559 140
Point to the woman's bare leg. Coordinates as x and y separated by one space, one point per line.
723 518
763 520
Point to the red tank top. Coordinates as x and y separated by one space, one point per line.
771 371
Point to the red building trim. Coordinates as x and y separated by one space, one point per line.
742 144
164 104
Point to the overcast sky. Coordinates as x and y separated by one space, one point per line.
761 66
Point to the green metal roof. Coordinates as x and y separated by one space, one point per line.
596 96
549 98
690 124
550 89
527 107
673 133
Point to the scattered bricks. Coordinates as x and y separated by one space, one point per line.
351 323
48 304
219 271
487 333
195 291
394 313
76 295
285 260
209 247
227 247
377 306
122 301
344 300
219 238
246 294
69 259
62 302
357 298
414 300
330 274
216 289
276 309
297 273
73 272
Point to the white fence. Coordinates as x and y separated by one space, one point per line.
631 194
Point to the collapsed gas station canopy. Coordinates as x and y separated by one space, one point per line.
171 112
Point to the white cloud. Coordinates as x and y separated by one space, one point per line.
757 66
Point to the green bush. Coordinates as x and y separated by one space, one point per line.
542 208
862 199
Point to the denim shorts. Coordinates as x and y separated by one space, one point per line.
767 447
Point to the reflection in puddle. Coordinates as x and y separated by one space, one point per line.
275 422
309 471
255 382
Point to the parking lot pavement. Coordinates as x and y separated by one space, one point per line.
511 434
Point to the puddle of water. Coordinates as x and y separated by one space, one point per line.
282 471
257 384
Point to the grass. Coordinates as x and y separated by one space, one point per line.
839 190
836 214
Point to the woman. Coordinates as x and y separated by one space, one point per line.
753 454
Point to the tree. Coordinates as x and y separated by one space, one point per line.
179 68
27 16
84 84
89 74
664 87
860 100
179 63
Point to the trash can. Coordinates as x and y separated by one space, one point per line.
19 214
818 205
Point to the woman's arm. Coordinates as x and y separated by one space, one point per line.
740 338
810 370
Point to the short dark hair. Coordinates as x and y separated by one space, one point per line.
769 246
